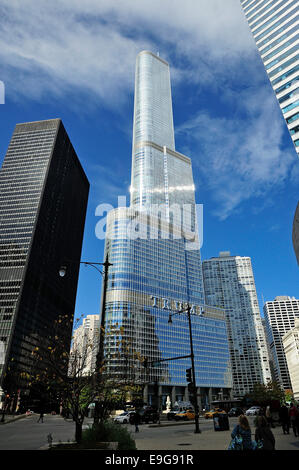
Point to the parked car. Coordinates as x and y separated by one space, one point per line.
235 412
211 413
147 415
253 411
123 418
185 415
171 414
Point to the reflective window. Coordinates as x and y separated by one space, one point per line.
286 74
279 49
281 20
291 106
283 66
262 18
281 57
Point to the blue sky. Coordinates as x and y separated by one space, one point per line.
76 60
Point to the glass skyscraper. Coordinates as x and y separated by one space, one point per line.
154 248
43 200
274 25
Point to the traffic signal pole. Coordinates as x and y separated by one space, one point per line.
191 355
197 430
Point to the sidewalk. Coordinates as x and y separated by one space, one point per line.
182 437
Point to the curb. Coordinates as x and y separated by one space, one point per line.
175 423
13 419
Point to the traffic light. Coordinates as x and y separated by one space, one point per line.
189 375
145 362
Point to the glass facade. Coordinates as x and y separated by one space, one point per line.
155 272
274 25
43 198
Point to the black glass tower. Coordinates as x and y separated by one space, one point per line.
43 200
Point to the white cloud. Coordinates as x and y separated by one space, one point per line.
240 158
88 49
69 45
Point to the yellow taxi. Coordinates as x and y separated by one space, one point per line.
185 415
211 413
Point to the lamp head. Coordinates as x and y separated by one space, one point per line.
62 271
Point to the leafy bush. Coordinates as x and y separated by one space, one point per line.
108 432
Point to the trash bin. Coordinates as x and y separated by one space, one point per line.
221 422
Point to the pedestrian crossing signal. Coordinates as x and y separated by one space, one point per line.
189 375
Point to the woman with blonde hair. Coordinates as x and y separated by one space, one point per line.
241 435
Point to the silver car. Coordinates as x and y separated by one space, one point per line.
253 411
123 418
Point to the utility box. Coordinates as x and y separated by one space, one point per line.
221 422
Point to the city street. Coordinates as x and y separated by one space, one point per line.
27 434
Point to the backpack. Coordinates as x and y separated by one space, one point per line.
236 443
259 444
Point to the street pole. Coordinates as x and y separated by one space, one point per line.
103 314
100 355
197 430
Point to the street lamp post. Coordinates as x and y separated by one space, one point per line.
188 311
100 354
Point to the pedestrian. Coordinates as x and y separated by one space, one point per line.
241 435
284 419
263 435
41 417
294 418
269 416
136 421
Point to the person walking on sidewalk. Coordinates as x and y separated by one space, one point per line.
263 435
136 421
41 417
284 419
242 429
294 417
269 416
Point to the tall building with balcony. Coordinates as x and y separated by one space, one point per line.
274 25
154 248
295 233
229 284
291 349
43 200
84 349
280 315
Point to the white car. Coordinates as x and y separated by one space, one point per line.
123 418
253 411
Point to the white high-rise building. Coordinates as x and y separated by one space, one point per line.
291 349
295 234
280 317
229 284
85 346
274 25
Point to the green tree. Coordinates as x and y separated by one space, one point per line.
265 394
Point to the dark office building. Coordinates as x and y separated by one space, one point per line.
43 200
